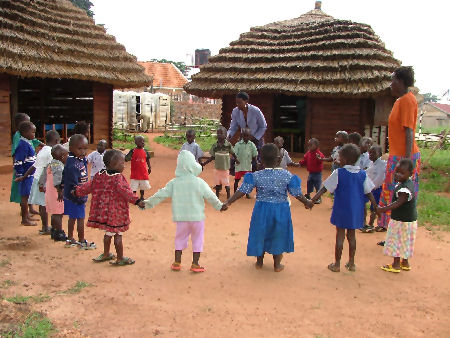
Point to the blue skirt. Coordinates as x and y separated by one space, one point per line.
270 229
25 186
74 210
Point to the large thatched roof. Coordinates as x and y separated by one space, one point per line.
55 39
314 55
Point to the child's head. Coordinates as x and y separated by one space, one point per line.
81 127
366 143
78 145
139 141
313 144
60 153
341 138
375 152
349 154
19 118
279 142
114 160
190 136
354 138
52 138
246 134
27 130
270 155
101 146
221 134
404 170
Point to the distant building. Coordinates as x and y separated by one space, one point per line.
201 57
435 115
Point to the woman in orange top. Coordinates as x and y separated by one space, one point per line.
401 135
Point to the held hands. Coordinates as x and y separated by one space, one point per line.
41 188
309 204
224 207
149 170
60 196
141 205
19 179
318 157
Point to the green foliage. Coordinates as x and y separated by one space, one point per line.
19 299
428 97
34 326
434 209
125 140
80 285
85 5
180 65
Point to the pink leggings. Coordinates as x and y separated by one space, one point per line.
195 229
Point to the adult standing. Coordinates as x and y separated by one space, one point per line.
401 135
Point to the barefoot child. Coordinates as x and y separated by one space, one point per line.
191 145
51 183
188 193
220 152
96 158
140 166
75 173
349 185
271 224
314 165
111 194
246 153
286 160
341 139
401 233
24 158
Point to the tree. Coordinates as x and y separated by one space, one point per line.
428 97
180 65
84 5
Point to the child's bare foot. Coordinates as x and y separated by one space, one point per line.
278 268
334 267
350 267
33 212
28 223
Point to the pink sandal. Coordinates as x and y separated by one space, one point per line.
175 266
197 268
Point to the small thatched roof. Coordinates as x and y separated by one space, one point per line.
313 55
55 39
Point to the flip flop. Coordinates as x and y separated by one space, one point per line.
389 268
197 268
175 266
333 267
103 258
405 268
71 244
124 261
349 267
366 229
381 243
380 229
44 232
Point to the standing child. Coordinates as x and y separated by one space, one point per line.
140 166
51 182
188 193
246 153
271 224
220 152
96 158
341 139
376 172
349 185
401 233
284 155
314 165
75 173
191 145
355 138
111 194
24 158
364 161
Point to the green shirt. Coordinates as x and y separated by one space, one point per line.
245 152
407 212
221 154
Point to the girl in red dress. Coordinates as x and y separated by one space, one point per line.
111 194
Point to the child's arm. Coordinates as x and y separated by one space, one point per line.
233 154
306 202
208 159
19 158
129 155
294 188
319 194
211 197
148 163
29 172
83 190
402 199
125 191
246 188
237 195
372 200
43 180
157 198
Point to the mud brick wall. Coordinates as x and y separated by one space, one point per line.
185 112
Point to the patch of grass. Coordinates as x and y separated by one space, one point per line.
7 283
19 299
434 209
175 142
4 262
125 140
80 285
40 298
35 326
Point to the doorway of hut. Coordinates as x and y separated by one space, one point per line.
289 121
53 104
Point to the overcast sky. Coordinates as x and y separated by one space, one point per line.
416 31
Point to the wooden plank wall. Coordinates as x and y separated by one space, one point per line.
103 112
5 115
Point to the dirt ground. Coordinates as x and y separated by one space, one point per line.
231 299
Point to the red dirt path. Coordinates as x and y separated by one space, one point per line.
232 298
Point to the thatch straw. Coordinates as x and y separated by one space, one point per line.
313 55
55 39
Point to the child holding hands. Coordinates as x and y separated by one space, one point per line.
271 224
314 165
246 153
140 166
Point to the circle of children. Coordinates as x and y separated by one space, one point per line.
57 180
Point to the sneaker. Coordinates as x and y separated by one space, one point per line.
59 236
318 201
308 196
85 245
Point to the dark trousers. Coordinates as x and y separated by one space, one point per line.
314 182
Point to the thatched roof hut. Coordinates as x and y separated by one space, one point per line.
53 46
315 57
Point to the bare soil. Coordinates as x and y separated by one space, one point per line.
231 298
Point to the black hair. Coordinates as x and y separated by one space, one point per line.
57 150
74 139
102 141
139 137
269 153
20 117
351 153
110 157
314 140
51 136
407 164
343 134
366 139
377 148
25 126
243 95
222 128
405 74
354 138
81 127
280 138
190 132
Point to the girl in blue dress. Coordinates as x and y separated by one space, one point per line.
350 185
271 223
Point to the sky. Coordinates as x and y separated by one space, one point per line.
416 31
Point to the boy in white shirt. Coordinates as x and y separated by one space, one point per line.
191 145
96 158
364 161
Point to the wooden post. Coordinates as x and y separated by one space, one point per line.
102 112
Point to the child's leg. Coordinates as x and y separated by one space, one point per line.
309 186
80 229
197 231
218 188
31 210
24 212
106 244
236 184
181 240
70 228
227 189
195 257
373 216
44 218
178 254
142 194
259 261
340 237
57 222
119 246
351 237
277 266
396 263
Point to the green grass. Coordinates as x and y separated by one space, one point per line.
35 326
125 140
80 285
4 262
19 299
432 130
205 142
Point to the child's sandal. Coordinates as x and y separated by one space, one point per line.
197 268
124 261
175 266
85 245
103 258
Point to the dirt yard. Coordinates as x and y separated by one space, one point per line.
231 299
